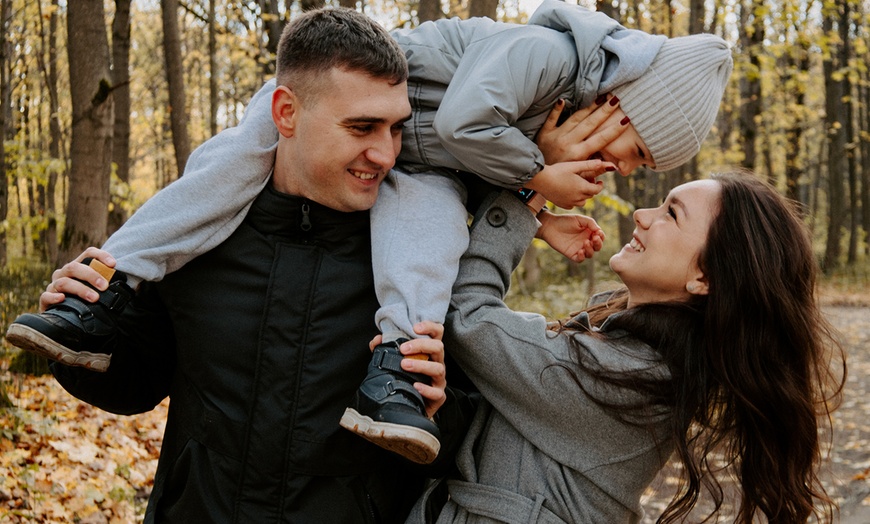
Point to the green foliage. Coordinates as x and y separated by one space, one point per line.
853 277
5 402
563 287
21 284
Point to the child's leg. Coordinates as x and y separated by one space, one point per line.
186 219
419 232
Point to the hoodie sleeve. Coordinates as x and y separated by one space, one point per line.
201 209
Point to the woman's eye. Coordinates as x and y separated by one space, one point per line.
672 212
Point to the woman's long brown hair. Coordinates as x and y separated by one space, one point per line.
755 369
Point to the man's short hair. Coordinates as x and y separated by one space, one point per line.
322 39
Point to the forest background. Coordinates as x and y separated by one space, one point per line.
101 103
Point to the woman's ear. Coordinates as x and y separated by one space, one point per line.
698 285
285 110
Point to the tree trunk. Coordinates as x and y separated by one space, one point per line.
483 8
429 10
697 14
212 69
865 157
798 64
175 80
5 120
92 127
121 92
625 223
606 7
55 139
836 165
272 27
751 38
307 5
530 277
851 144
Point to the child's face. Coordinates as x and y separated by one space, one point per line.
628 151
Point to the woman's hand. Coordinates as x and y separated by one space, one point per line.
425 356
69 279
581 135
577 237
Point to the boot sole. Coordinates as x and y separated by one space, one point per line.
34 341
412 443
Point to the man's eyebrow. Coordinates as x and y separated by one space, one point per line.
371 120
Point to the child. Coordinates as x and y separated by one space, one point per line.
480 91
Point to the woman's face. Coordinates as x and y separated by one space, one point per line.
661 261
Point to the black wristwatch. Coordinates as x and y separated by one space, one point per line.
531 198
525 194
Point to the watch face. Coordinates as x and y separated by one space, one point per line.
526 194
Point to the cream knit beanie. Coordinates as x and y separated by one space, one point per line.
673 104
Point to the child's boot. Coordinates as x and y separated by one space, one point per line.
75 332
389 412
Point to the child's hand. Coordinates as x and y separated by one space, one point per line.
570 184
425 356
581 135
577 237
67 280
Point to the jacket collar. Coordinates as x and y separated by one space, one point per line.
302 220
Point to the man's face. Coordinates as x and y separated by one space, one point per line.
341 142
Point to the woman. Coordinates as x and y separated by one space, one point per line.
715 345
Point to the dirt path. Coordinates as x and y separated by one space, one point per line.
850 467
847 473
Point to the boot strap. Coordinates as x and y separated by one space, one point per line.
393 387
387 356
116 296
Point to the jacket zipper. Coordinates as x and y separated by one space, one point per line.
305 223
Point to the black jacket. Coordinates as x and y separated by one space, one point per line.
271 333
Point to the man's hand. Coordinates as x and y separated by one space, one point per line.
581 135
425 356
577 237
66 280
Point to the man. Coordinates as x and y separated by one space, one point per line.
266 328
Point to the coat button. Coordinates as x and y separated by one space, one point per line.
496 217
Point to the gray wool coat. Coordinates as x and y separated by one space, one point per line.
539 450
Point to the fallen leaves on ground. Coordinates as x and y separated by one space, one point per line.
65 461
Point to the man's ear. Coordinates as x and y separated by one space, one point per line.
285 110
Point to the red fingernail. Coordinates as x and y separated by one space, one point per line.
614 101
610 168
601 99
624 121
